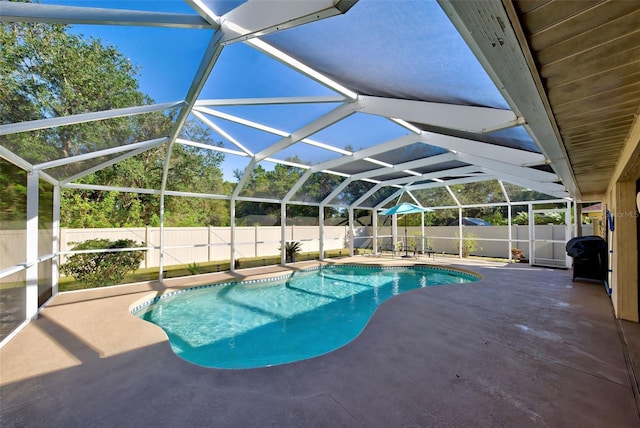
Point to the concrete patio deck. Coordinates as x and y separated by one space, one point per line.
523 347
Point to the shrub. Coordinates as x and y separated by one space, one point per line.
194 268
469 243
100 269
517 254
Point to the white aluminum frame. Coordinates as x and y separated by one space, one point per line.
247 24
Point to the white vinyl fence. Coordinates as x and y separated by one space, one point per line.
493 241
184 245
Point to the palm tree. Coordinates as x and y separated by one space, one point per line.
291 249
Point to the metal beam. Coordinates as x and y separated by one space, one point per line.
333 194
197 111
15 159
259 18
403 180
319 124
359 155
465 180
488 30
514 170
433 160
210 147
145 191
389 199
472 147
240 120
553 189
32 238
271 101
221 131
55 14
82 186
464 118
106 152
205 12
289 61
214 49
368 194
33 125
398 143
428 176
103 165
243 180
463 170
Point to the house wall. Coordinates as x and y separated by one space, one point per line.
620 200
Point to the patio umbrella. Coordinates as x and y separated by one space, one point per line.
405 208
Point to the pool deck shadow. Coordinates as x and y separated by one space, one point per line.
524 346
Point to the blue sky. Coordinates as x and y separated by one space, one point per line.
168 60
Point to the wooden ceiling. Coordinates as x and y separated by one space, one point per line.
587 53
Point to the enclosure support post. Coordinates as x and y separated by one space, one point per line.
56 240
422 233
510 232
255 241
394 232
232 238
374 224
283 233
460 231
32 246
209 243
351 232
321 232
532 233
161 239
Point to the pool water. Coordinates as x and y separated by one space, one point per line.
263 323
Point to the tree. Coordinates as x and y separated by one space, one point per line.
272 184
45 72
194 170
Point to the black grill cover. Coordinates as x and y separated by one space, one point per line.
586 246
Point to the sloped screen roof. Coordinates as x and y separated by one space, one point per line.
375 98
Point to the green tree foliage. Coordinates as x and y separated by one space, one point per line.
100 269
522 218
13 196
263 183
45 72
191 169
275 184
483 192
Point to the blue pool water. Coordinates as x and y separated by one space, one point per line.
264 323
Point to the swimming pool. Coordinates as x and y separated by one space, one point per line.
285 319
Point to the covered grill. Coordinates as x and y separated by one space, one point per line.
589 255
